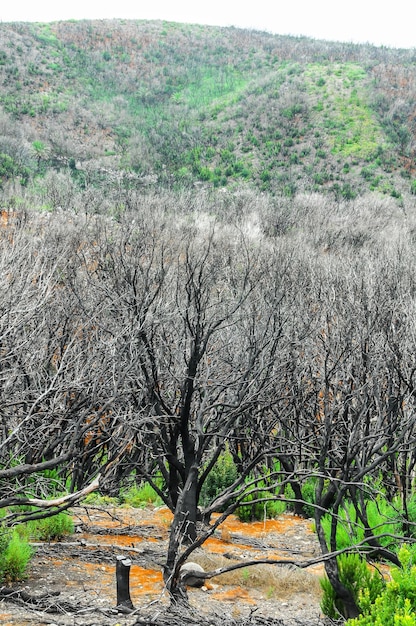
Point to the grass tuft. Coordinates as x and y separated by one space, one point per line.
271 580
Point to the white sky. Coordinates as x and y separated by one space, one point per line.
381 22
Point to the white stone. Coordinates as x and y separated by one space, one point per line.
192 581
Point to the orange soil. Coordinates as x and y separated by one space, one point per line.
120 517
163 517
145 581
256 529
128 541
6 216
219 546
106 522
142 581
234 594
5 617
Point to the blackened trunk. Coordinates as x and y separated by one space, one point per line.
298 505
345 599
182 531
190 509
123 583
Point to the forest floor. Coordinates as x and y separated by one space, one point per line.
77 575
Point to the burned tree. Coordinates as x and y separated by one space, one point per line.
353 427
149 349
199 320
54 388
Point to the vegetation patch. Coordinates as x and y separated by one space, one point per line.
356 576
395 605
15 554
341 95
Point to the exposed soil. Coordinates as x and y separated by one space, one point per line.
78 574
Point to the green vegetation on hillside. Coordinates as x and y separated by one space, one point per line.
178 105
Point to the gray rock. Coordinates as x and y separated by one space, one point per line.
192 581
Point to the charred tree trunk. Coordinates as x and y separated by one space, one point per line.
346 599
298 505
190 508
350 609
182 531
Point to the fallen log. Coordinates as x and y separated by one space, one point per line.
180 616
43 602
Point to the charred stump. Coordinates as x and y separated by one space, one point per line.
124 602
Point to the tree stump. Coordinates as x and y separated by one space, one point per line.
123 583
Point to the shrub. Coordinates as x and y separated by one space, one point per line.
410 526
382 517
4 539
308 494
15 551
308 498
15 554
357 577
54 527
259 510
347 192
98 499
222 475
396 605
139 496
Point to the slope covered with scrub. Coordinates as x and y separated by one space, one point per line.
179 105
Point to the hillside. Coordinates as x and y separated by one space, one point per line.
132 103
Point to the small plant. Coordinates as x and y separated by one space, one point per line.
357 577
396 605
409 523
245 576
15 554
139 496
98 499
259 510
382 517
54 527
308 494
222 475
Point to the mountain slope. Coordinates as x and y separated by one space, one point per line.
181 104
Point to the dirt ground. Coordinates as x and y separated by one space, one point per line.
77 576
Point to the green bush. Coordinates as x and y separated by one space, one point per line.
5 534
222 475
259 510
396 605
139 496
308 494
357 577
273 508
97 499
382 517
7 166
54 527
15 554
411 514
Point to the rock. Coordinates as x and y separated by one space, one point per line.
191 581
